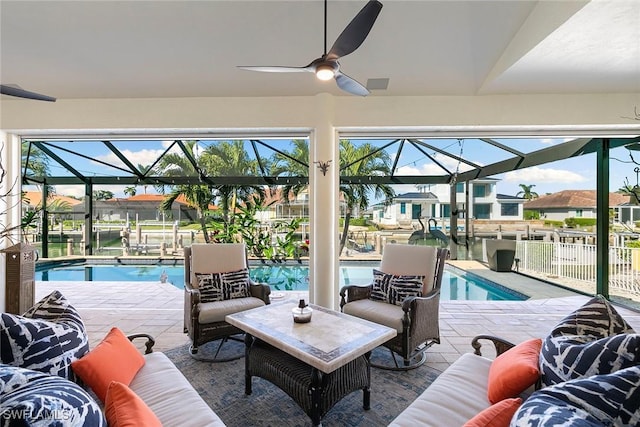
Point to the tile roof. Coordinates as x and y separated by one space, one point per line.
35 198
573 199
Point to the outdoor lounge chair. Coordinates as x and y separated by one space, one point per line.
204 320
415 318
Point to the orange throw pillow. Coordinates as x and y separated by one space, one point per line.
498 415
124 408
514 371
114 359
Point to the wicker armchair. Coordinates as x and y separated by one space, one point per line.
205 321
417 319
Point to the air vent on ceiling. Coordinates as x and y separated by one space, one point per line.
377 84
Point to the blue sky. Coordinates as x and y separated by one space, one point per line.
571 174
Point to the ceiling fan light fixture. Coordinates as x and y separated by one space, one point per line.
325 72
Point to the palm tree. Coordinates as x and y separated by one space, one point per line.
362 160
130 191
197 196
295 163
228 159
526 192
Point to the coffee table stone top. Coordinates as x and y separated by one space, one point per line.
330 340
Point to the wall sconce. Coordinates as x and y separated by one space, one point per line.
323 166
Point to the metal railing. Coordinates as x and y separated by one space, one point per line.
574 265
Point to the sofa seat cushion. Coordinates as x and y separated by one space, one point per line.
170 395
211 312
455 397
379 312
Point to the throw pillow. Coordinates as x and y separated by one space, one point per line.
497 415
612 400
32 398
114 359
224 286
210 287
124 408
568 357
514 371
236 284
380 286
597 317
47 338
393 288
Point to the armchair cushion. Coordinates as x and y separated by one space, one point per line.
211 312
379 312
393 289
224 286
412 260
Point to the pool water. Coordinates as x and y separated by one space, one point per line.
456 284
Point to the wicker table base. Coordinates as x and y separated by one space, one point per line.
316 392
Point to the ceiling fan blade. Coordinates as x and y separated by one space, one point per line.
356 32
348 84
275 69
21 93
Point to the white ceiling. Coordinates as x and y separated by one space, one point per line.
146 49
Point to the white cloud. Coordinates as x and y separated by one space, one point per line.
142 157
541 175
554 141
70 190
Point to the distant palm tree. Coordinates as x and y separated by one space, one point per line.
130 191
526 192
229 159
354 161
294 163
362 160
197 196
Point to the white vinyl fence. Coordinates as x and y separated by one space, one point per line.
575 263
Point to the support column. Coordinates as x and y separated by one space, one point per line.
324 206
453 222
88 218
602 221
10 202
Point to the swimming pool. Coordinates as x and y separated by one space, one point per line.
456 284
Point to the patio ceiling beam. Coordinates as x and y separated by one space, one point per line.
433 159
42 146
123 158
258 156
282 153
397 159
438 150
503 147
241 180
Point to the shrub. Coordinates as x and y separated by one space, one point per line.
528 214
580 222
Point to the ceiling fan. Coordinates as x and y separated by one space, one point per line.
21 93
327 66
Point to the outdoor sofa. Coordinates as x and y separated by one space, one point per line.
48 375
586 372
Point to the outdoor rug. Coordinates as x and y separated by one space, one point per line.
221 385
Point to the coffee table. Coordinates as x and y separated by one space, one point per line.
315 363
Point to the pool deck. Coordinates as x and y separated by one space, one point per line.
157 308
